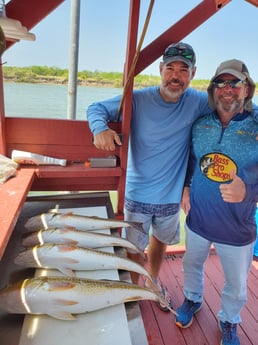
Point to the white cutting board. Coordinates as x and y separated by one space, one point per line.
104 327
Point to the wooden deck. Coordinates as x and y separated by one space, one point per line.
160 326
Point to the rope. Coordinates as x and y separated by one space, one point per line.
135 59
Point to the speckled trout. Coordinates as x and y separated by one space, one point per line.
69 235
57 220
68 258
63 297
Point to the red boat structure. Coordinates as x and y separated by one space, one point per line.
72 140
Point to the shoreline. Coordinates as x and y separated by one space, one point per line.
93 83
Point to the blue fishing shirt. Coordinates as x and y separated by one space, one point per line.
215 152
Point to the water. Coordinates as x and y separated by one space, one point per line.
50 100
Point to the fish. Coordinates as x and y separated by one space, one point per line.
85 239
64 297
55 219
68 258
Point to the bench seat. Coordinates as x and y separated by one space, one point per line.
13 194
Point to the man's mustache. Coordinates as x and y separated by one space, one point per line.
175 81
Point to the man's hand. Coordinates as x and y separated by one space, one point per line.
185 202
234 191
106 140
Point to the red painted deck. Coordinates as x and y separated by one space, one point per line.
160 327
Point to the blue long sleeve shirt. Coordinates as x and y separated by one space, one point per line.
215 152
159 141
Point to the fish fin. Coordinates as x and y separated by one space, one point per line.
70 241
137 250
136 226
67 271
66 214
62 316
64 302
69 261
59 285
66 248
55 212
135 298
141 252
67 228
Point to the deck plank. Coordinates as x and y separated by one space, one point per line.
160 327
154 337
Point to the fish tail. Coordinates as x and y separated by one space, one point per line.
160 295
142 253
168 307
161 298
166 303
136 225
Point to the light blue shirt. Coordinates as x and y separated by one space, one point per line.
159 141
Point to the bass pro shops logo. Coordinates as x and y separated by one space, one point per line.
217 167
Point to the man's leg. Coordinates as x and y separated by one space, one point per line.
156 252
197 251
236 262
165 230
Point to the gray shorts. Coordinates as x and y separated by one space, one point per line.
160 221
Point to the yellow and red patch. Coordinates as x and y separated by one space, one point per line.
217 167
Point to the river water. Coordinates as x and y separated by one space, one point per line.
50 100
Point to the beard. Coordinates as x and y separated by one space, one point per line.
234 106
173 93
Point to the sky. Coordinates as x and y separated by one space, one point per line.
230 33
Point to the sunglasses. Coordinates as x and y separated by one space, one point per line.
177 51
234 84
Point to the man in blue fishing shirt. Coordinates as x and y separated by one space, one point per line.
223 188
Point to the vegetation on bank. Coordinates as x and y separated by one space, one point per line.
44 74
55 75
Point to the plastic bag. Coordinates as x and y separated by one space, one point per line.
7 168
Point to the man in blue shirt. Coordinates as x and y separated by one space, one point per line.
223 195
161 121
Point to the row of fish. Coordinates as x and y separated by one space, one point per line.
69 249
68 243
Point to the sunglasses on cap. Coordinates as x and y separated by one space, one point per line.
186 53
234 84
